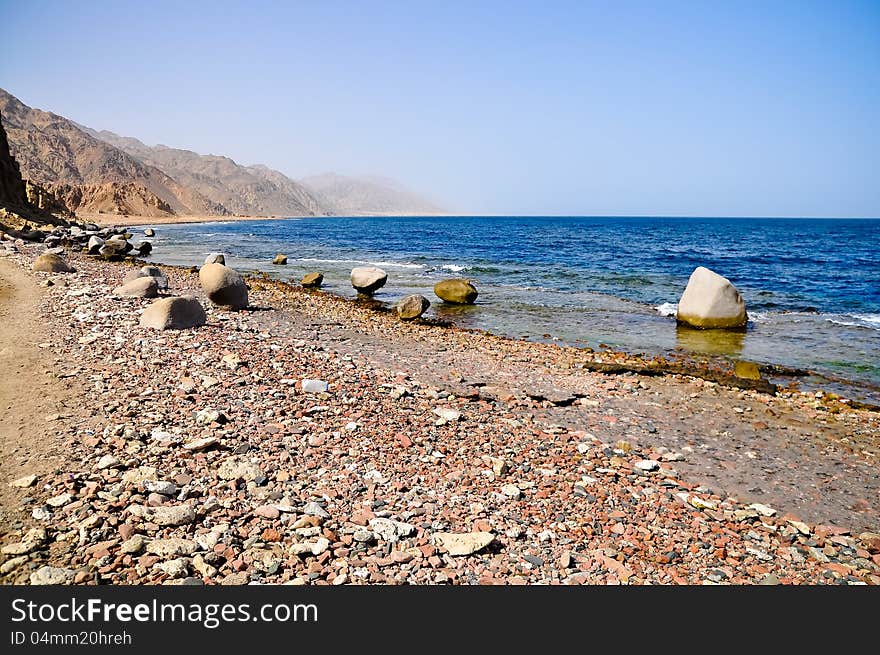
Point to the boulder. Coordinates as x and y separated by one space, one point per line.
458 291
280 259
150 232
142 287
50 263
94 245
145 248
711 301
312 280
215 258
153 271
412 307
224 286
119 243
368 279
174 314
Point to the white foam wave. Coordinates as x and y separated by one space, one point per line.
871 321
360 261
667 309
455 268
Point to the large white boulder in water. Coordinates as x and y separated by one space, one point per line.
711 301
368 279
224 286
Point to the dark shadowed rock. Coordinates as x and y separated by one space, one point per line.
412 307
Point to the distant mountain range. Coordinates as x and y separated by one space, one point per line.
91 171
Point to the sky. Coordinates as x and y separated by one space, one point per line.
675 108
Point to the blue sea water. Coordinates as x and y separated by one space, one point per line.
812 286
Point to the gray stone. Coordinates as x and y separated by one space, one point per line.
52 575
141 287
174 314
173 547
215 258
412 307
236 469
223 286
711 301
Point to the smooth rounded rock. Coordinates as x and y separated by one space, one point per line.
280 260
215 258
457 291
50 263
224 286
141 287
412 307
174 314
368 279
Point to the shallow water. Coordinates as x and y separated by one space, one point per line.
812 286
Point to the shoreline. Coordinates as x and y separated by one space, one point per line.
512 414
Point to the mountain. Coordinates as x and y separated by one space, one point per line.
13 195
54 152
89 171
245 190
353 196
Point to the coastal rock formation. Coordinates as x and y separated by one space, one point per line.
94 245
312 280
458 291
368 279
141 287
88 174
174 314
215 258
280 260
412 307
711 301
224 286
49 263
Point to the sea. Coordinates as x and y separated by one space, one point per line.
811 286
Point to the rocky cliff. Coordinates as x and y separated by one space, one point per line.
13 195
52 150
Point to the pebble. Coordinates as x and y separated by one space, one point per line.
315 386
463 544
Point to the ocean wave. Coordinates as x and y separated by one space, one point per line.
667 309
868 321
455 268
360 261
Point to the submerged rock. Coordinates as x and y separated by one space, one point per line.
312 280
711 301
458 291
280 260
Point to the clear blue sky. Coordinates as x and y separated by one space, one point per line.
662 108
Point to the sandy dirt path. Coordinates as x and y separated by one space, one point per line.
32 397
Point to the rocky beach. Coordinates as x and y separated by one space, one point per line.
311 439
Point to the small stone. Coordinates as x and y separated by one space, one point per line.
463 544
107 461
311 547
235 469
51 575
648 465
60 500
763 510
132 546
447 413
769 580
173 547
390 530
267 512
201 444
161 487
315 386
314 509
511 491
24 482
172 515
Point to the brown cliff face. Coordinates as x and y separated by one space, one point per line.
52 150
13 195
